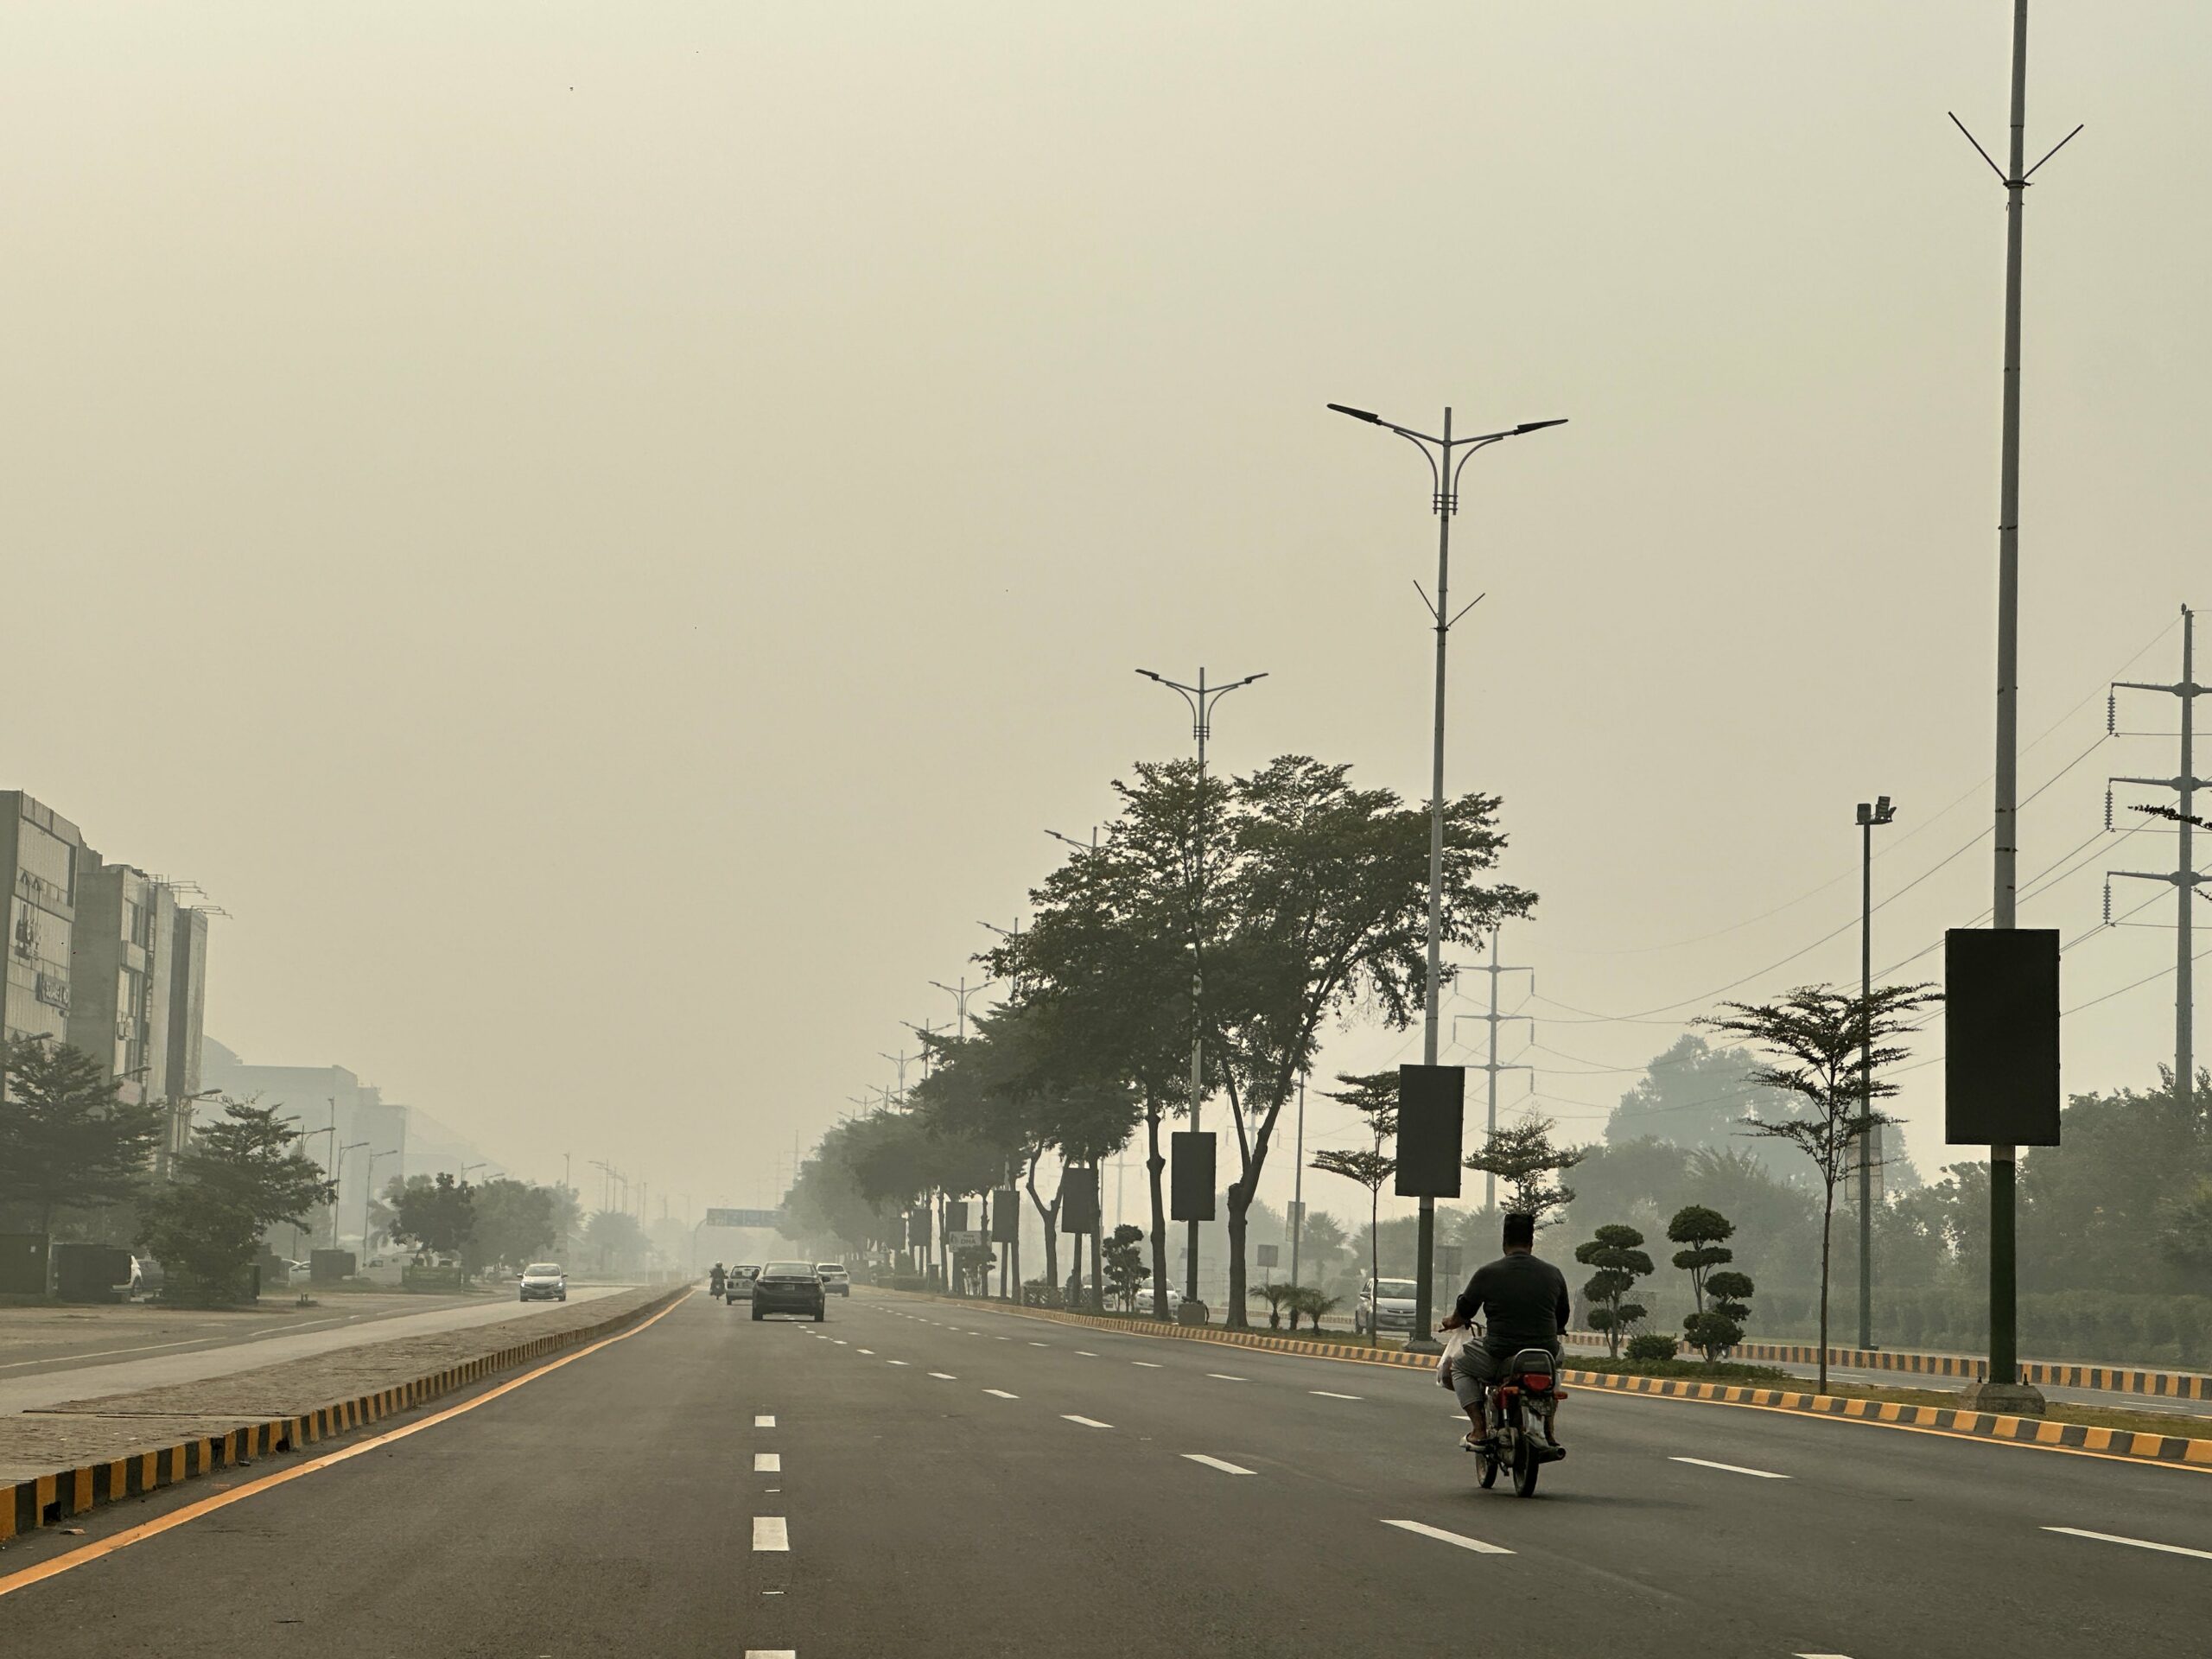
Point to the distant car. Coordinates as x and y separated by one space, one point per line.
835 1279
544 1281
789 1287
1144 1303
1384 1305
737 1287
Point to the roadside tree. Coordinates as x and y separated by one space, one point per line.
1813 1039
1126 1272
435 1214
65 1140
242 1175
1617 1255
1528 1166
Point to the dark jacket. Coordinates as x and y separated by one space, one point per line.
1522 1300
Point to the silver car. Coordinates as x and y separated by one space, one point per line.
835 1279
543 1281
1384 1305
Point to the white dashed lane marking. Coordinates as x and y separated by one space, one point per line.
1224 1376
1326 1394
1149 1364
764 1422
1438 1533
1731 1468
2138 1543
769 1532
1086 1353
1001 1394
1088 1422
1216 1463
945 1376
767 1463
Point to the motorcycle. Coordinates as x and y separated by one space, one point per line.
1522 1404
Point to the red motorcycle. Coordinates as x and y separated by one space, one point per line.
1522 1404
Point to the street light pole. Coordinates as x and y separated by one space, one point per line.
2002 1390
1201 698
368 1197
1446 455
337 1177
1870 818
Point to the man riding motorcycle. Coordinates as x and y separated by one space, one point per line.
1523 1300
716 1280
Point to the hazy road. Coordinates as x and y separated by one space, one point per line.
914 1478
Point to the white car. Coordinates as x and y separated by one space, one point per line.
1145 1302
835 1279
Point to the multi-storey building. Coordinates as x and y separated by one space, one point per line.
40 854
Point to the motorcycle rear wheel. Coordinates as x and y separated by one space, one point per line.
1525 1465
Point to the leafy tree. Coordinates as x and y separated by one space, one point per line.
1616 1252
1125 1268
2185 1232
436 1214
1728 1295
65 1138
1814 1039
516 1224
1698 1096
1321 1242
1527 1164
615 1241
242 1175
1375 1098
1700 1230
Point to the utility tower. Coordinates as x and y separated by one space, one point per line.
2183 877
1491 966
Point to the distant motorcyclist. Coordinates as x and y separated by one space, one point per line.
717 1279
1522 1299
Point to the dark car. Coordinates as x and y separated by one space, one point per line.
789 1287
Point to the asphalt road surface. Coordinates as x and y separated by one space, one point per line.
918 1479
44 1361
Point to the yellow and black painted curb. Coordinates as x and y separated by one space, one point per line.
45 1500
1983 1425
1980 1425
2168 1385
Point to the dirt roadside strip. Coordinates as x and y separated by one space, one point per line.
2169 1449
64 1459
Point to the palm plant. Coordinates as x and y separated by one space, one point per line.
1275 1296
1306 1299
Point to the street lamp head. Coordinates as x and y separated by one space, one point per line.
1882 810
1149 675
1538 426
1358 414
1865 813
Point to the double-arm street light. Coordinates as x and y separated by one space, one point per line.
1201 698
1871 818
1445 457
337 1176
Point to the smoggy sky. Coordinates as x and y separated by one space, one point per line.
603 534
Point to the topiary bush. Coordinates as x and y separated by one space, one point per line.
1652 1345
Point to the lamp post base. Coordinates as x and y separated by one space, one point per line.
2006 1399
1190 1310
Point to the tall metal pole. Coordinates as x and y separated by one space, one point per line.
1425 1240
1198 986
1865 1081
1201 698
2004 1275
2184 971
1298 1183
2183 876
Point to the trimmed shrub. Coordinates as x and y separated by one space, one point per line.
1650 1346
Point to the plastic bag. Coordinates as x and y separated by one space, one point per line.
1453 1342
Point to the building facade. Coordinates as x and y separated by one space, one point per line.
40 854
